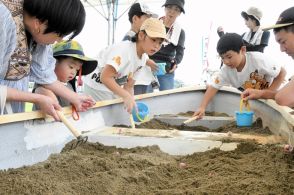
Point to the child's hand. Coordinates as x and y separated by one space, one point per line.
152 65
83 102
129 103
199 113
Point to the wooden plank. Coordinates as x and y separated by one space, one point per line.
211 122
9 118
262 139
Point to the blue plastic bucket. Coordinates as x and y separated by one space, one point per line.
244 118
161 69
142 114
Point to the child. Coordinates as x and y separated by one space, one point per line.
242 70
28 27
284 34
70 60
121 63
138 13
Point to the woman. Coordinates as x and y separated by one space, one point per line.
28 27
255 39
172 52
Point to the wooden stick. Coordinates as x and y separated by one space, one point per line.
132 122
74 131
190 119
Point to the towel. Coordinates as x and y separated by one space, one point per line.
174 33
256 39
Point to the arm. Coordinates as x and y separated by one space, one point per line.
278 80
180 48
107 78
253 94
129 86
43 91
152 65
209 94
81 102
285 96
179 52
47 104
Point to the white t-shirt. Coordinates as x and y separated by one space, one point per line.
144 75
123 58
258 73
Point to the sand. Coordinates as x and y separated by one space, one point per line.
93 168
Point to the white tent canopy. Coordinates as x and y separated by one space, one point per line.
120 2
108 10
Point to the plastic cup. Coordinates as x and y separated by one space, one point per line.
142 114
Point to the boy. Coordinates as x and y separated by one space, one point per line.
138 13
121 62
242 70
284 34
70 60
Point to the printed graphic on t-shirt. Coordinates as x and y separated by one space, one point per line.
120 80
125 69
256 81
96 77
117 60
216 80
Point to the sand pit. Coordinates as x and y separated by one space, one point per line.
96 169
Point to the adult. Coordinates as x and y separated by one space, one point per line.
255 39
28 27
284 35
172 51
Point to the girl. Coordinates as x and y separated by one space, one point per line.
120 63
